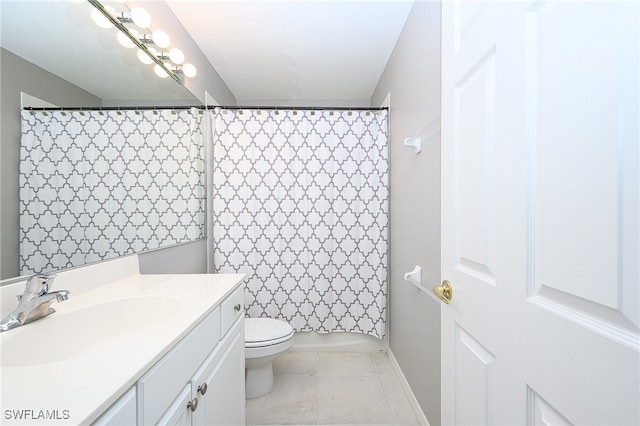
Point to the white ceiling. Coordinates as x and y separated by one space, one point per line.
268 52
296 51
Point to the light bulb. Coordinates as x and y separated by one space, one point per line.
125 41
189 70
161 39
160 72
144 58
140 17
100 20
176 56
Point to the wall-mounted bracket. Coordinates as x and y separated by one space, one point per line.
414 276
415 142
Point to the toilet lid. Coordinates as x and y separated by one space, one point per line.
260 330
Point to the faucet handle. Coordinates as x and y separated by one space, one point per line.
39 284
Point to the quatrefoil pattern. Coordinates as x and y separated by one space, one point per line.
300 205
100 184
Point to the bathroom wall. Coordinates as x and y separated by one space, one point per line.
18 76
186 258
320 103
412 78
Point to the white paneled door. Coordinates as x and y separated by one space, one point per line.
540 212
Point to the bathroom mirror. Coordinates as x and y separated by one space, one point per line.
60 38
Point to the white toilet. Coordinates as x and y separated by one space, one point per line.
264 340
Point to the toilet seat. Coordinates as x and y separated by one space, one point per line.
260 332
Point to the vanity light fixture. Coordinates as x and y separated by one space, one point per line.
144 57
160 71
125 41
176 56
140 17
189 70
100 20
167 63
161 39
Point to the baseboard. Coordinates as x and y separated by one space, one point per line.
310 341
408 390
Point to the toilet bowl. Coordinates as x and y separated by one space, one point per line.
264 340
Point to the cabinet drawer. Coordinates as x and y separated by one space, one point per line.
231 309
162 383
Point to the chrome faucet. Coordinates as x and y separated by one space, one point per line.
34 303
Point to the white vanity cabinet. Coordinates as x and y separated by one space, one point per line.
123 412
139 347
201 380
216 386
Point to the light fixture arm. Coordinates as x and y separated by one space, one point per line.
124 18
145 38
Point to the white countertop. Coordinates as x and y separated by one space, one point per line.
89 372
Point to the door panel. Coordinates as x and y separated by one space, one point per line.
540 218
473 380
542 413
577 185
474 117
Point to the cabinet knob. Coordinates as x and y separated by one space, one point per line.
237 307
203 388
193 404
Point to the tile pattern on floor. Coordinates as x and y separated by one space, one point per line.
333 388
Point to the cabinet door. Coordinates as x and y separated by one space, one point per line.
159 387
179 412
123 412
223 401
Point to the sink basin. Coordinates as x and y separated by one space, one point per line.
63 336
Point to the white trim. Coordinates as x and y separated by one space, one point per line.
208 153
311 341
27 100
387 104
405 385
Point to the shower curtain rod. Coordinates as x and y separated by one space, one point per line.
297 108
203 107
108 108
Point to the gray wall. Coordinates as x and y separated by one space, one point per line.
18 75
412 77
186 258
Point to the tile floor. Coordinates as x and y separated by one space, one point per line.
323 388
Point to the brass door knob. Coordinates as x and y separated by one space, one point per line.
444 291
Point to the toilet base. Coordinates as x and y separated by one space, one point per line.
259 380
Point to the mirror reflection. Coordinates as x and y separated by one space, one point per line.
52 54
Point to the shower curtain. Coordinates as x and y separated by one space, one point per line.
100 184
300 204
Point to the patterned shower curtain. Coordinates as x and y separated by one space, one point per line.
300 204
100 184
